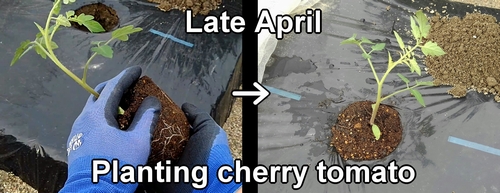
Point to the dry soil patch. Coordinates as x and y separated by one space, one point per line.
472 58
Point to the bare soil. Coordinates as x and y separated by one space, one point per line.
105 15
352 134
199 7
172 131
472 59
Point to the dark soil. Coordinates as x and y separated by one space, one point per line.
352 134
472 56
172 131
103 14
201 7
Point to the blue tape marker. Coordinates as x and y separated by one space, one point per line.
171 37
474 145
283 93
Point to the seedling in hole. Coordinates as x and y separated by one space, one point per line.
45 46
420 28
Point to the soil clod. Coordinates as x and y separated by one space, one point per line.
471 60
172 131
103 14
352 134
201 7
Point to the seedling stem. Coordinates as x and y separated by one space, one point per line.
407 57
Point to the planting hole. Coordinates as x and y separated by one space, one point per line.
105 15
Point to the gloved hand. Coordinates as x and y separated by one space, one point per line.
96 135
208 145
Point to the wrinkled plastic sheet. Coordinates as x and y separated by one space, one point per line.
316 68
39 103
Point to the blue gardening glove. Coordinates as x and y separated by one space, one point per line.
96 135
208 145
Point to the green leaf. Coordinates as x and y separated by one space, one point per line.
366 41
94 26
403 78
61 20
432 49
39 28
400 41
88 22
57 7
366 56
96 42
103 50
20 51
418 96
415 67
376 132
66 2
378 47
39 51
351 40
390 62
426 83
423 23
70 13
122 33
414 29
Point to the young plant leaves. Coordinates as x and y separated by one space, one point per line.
103 50
66 2
88 22
56 8
415 67
432 49
400 41
21 50
366 41
414 29
122 33
426 83
378 47
351 40
70 13
61 20
403 78
376 131
423 23
366 56
418 96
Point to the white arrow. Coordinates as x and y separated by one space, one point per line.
263 93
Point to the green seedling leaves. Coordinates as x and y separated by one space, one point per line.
414 29
426 83
70 13
414 66
351 40
423 23
376 132
56 8
122 33
41 47
61 20
366 56
378 47
21 50
67 2
88 22
103 50
432 49
366 41
403 78
400 41
418 96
